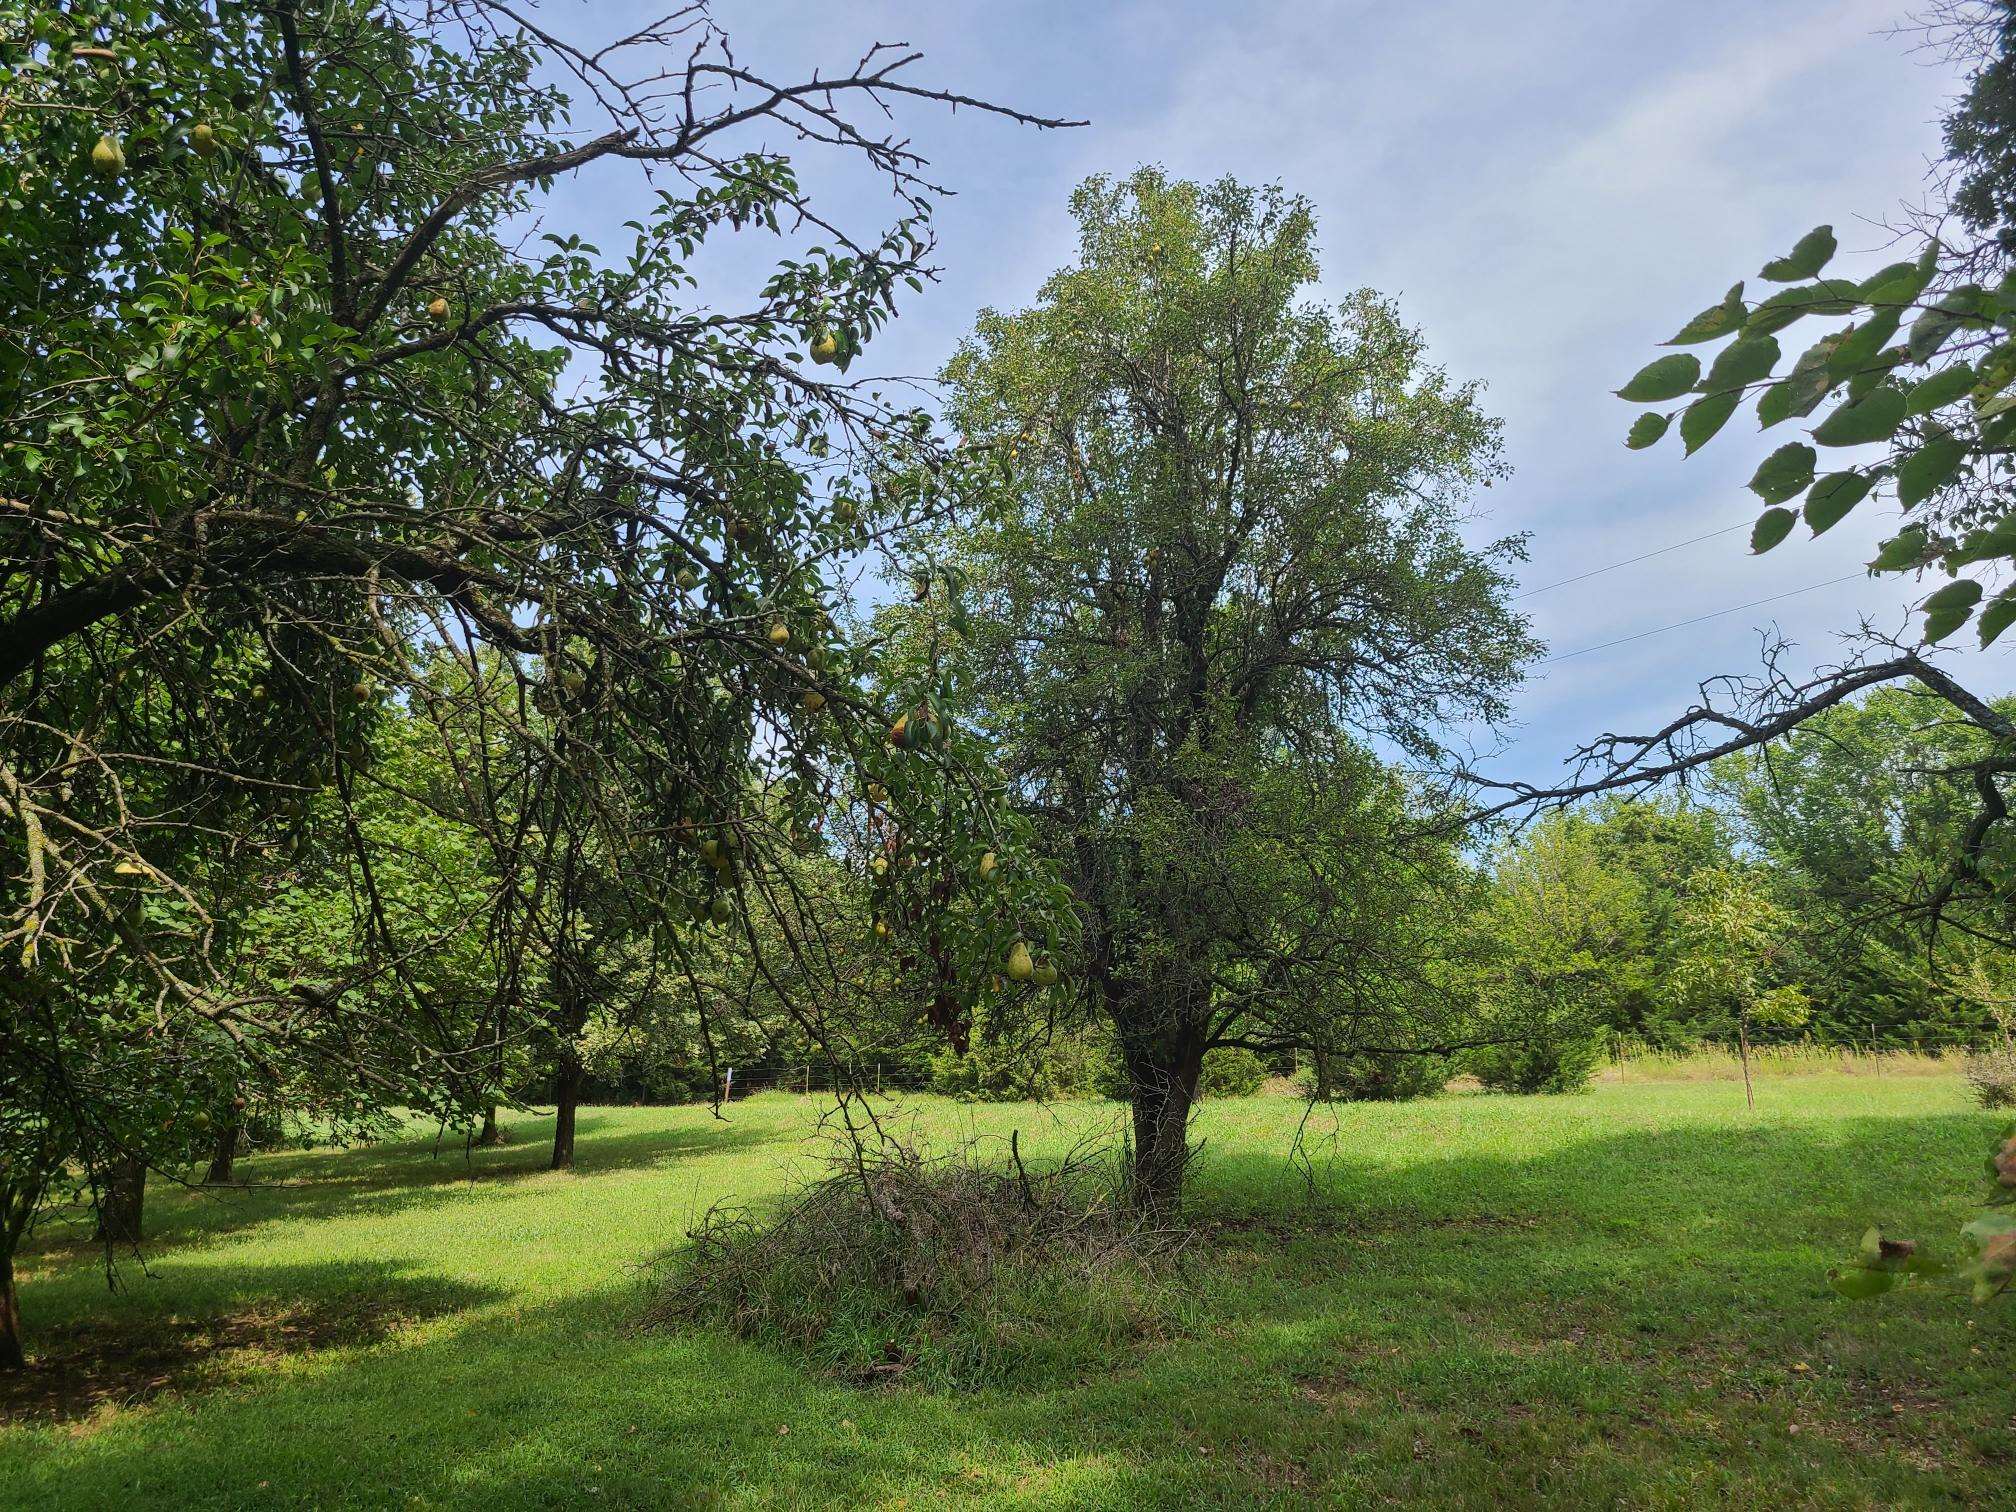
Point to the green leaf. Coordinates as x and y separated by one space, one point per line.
1900 283
1830 296
1860 344
1905 549
1646 430
1832 497
1997 617
1794 394
1821 353
1941 389
1875 418
1859 1284
1715 322
1927 469
1667 377
1787 471
1963 593
1808 256
1800 391
1930 330
1995 372
1943 623
1772 527
1742 362
1998 540
1989 1225
1701 419
1873 372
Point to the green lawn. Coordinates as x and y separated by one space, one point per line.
1616 1298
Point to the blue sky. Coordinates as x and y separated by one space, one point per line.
1548 187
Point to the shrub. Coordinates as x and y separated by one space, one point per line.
1545 1064
653 1068
1366 1077
1024 1071
1992 1075
1231 1071
944 1270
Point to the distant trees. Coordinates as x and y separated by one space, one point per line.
1858 825
1566 933
1222 559
1844 836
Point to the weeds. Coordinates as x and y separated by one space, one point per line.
1991 1076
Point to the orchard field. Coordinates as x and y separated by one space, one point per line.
746 763
1618 1298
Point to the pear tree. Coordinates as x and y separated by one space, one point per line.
1220 573
298 389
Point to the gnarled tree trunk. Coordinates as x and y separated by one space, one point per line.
489 1135
122 1194
1163 1088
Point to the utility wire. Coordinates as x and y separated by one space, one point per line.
1699 618
1630 561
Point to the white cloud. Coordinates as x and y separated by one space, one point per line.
1549 186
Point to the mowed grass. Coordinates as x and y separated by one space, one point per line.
1617 1298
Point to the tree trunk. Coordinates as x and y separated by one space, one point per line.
566 1096
490 1136
19 1200
222 1153
122 1192
1163 1090
1743 1049
12 1355
1324 1088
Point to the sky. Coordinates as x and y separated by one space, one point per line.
1549 188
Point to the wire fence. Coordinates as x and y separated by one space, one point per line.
810 1076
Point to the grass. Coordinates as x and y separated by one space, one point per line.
1718 1063
1611 1299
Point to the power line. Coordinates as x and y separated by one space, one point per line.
1700 618
1630 561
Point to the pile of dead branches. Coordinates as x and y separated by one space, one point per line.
895 1259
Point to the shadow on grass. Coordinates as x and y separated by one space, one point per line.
1602 1322
82 1367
